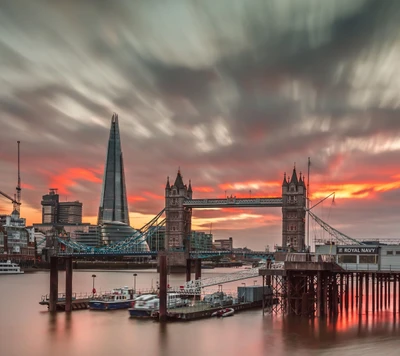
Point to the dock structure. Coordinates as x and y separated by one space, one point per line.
311 288
61 303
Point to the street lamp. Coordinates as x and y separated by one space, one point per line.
134 283
255 282
93 289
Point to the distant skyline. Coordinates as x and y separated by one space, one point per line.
232 92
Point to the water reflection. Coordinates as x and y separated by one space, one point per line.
247 333
317 334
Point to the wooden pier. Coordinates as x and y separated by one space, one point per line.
78 304
322 289
202 311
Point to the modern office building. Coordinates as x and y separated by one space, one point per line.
70 212
113 202
114 232
56 212
224 244
89 236
157 240
50 207
201 241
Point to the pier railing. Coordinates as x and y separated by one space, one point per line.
100 294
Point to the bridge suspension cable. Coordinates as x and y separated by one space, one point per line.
130 244
340 238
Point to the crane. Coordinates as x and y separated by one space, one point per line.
17 197
16 204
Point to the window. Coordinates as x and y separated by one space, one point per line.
368 259
389 253
397 252
347 259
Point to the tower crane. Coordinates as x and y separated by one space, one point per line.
17 197
16 204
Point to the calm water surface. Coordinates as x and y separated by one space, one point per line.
26 328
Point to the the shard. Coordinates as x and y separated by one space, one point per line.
113 202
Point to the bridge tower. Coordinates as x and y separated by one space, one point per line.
178 220
294 199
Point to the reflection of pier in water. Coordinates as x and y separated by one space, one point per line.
307 288
342 331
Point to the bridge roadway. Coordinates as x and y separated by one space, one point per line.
194 254
233 202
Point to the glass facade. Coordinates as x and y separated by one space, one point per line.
115 232
200 241
113 203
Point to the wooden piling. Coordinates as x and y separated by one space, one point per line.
163 287
366 293
319 294
377 292
197 268
53 284
394 294
324 300
360 293
347 293
352 290
385 288
68 284
357 288
188 270
341 293
381 292
373 291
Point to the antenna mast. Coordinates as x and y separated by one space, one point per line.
308 202
19 183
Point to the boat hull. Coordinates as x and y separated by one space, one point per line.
100 305
5 273
140 313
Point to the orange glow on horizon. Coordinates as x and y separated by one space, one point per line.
203 189
354 190
70 177
154 196
249 185
134 198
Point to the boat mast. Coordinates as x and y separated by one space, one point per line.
308 203
18 199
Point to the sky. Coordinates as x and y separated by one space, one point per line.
233 92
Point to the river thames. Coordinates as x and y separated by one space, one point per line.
27 328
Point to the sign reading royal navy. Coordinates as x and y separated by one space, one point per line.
357 250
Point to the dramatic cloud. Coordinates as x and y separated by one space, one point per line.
232 92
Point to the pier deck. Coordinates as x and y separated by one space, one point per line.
77 304
205 310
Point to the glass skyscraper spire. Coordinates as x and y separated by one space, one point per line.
113 202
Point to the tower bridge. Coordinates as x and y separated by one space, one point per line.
179 204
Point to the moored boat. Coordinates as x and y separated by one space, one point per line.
10 268
223 312
119 298
146 305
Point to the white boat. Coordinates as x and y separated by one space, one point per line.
145 305
222 313
10 268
